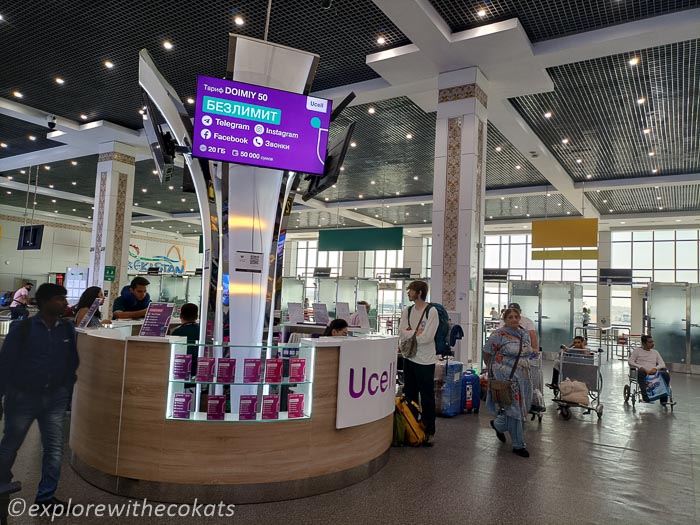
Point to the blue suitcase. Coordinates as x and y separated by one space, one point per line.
471 392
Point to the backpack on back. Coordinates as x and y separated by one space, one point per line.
442 334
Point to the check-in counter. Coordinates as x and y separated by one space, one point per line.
125 440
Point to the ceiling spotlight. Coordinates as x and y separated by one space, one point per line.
415 178
564 141
342 168
32 137
17 94
60 81
641 100
661 207
353 144
490 216
589 176
610 211
53 200
136 204
654 170
144 190
360 196
381 40
549 195
74 162
191 209
548 114
74 183
3 145
568 213
372 182
651 153
647 131
658 198
633 61
558 203
579 161
141 112
158 202
155 172
527 215
678 220
498 148
605 201
47 168
239 21
518 166
516 207
183 199
83 116
409 136
371 110
171 187
108 64
73 209
167 45
503 198
55 211
190 100
481 13
622 222
398 193
50 186
9 193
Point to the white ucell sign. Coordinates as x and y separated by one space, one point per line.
366 380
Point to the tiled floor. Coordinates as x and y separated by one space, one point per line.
631 466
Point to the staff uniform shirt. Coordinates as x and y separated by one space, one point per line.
646 359
20 298
425 333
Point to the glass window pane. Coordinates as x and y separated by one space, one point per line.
552 275
552 265
322 259
686 276
493 239
663 255
621 291
571 275
620 310
391 259
621 236
571 264
518 256
516 275
686 234
535 275
686 255
663 235
621 256
589 264
641 276
312 258
492 256
641 256
504 255
518 239
664 276
643 236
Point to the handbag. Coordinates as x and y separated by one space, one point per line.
501 391
409 347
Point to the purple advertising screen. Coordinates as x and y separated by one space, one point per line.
247 124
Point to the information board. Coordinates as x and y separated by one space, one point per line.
157 320
248 124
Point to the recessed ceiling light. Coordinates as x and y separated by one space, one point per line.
55 211
32 137
415 178
622 222
136 204
641 100
589 176
144 190
597 191
108 64
191 209
183 199
74 162
658 198
651 154
654 170
605 201
3 145
155 172
360 196
656 187
167 45
190 100
171 187
527 215
353 144
610 211
661 207
564 141
633 61
60 81
371 110
47 168
568 213
157 202
17 94
376 216
73 209
372 182
558 203
524 226
325 199
517 167
398 193
481 12
422 204
239 21
647 131
381 40
53 200
678 220
74 183
83 116
498 148
425 220
9 193
516 207
548 114
409 136
579 161
51 186
503 198
549 195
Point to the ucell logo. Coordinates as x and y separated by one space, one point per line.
374 384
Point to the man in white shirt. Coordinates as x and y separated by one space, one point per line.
648 361
18 306
419 370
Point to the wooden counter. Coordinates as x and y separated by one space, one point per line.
122 442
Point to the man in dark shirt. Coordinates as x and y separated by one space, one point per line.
190 329
133 300
38 364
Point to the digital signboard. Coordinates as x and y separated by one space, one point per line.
247 124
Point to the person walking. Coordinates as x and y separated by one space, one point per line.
38 365
18 306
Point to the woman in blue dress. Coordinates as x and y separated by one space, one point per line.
501 354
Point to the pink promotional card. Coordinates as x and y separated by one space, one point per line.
182 403
297 370
248 408
273 370
295 406
251 370
225 370
216 408
182 364
271 406
205 369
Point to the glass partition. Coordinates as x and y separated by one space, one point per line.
174 290
347 293
578 304
695 324
292 292
326 289
194 289
667 312
368 290
556 326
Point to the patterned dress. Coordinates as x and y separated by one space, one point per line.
503 346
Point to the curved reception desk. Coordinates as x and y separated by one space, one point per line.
130 436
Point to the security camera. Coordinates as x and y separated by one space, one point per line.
51 121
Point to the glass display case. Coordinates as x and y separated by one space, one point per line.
246 384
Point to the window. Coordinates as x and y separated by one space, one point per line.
427 256
379 264
308 258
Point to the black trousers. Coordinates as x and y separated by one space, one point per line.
642 380
18 312
419 386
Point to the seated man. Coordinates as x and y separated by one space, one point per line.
577 346
133 301
648 361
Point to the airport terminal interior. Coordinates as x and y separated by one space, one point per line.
283 163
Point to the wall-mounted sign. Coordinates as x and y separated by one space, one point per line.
172 262
248 124
110 273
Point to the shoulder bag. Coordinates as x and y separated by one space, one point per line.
501 392
409 347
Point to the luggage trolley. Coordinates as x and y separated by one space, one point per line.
577 366
537 382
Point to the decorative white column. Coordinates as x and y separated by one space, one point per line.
458 202
111 219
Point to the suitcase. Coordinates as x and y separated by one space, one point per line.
411 414
448 388
471 388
